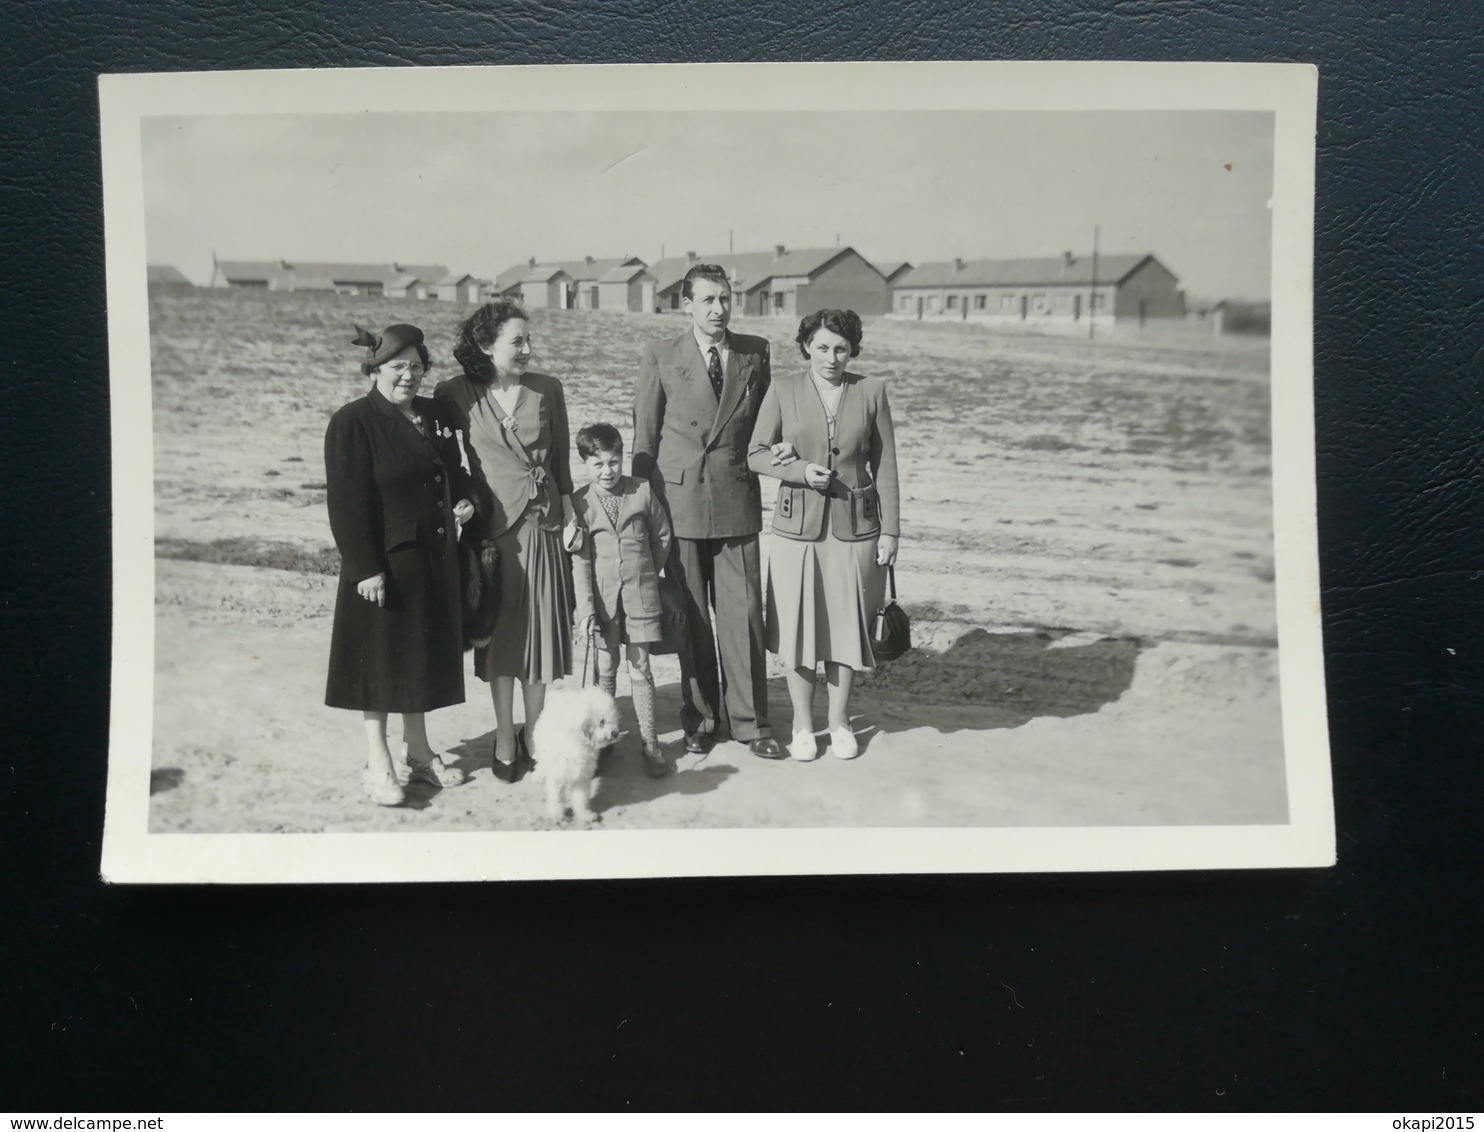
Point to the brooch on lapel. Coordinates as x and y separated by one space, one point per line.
508 424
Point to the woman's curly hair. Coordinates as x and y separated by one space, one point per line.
847 324
478 332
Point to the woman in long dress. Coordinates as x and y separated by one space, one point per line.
394 488
519 447
835 523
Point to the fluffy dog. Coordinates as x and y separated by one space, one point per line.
575 725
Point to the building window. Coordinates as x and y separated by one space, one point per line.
1097 300
1038 302
980 301
1007 304
1063 303
904 303
778 301
932 302
953 302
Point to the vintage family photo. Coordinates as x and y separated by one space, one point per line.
613 471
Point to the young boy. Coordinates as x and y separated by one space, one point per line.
616 573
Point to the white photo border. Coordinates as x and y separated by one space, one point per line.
132 854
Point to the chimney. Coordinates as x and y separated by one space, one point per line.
690 257
958 263
1067 260
778 251
589 260
532 261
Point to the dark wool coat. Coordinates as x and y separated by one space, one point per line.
391 491
693 448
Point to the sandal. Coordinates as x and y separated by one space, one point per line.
381 787
435 772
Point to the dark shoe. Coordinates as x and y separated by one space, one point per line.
655 763
766 748
697 742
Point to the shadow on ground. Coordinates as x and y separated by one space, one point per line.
621 778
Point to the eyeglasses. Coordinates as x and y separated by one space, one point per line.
401 369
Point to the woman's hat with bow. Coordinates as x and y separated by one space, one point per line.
383 347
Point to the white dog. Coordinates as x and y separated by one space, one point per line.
575 725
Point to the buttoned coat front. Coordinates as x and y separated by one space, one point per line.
390 490
863 499
692 447
617 567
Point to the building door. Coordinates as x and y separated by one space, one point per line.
1142 309
595 298
1076 308
964 314
919 306
1024 302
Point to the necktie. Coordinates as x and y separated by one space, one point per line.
713 370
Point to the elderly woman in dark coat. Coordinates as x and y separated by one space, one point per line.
395 488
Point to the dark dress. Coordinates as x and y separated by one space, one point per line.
391 490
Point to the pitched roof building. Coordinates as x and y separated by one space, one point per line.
165 275
1065 287
784 282
343 278
559 284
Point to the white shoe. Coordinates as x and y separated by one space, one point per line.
803 747
843 744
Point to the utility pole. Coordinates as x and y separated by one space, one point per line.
1092 306
730 247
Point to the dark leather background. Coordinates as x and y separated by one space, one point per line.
1356 987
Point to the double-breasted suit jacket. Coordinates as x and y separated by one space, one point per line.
390 490
617 568
863 499
692 448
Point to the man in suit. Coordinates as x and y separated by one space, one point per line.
695 401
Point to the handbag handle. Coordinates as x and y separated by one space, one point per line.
891 581
590 659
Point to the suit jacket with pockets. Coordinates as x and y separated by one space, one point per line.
863 499
617 567
692 448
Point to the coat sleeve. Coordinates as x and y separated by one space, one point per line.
352 497
661 533
560 456
649 415
583 582
767 432
883 458
460 482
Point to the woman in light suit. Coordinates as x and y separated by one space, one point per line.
835 523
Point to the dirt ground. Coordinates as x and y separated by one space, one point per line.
1086 551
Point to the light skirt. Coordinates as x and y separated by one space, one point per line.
822 597
532 638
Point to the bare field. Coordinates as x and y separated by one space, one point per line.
1086 549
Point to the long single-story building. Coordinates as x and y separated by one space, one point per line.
391 279
1068 288
785 283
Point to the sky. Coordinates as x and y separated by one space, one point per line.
481 191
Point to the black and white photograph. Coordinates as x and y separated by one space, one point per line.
551 472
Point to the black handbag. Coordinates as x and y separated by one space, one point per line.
891 631
479 585
674 623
